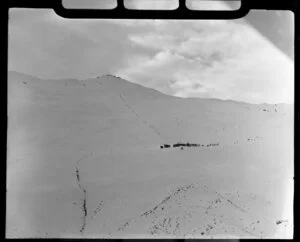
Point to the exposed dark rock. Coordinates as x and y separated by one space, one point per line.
188 145
280 221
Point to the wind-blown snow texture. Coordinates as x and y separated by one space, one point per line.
84 160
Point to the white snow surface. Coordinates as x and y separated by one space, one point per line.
84 160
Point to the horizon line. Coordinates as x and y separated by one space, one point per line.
117 76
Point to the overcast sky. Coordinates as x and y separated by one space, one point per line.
226 59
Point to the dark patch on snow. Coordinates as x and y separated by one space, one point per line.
179 144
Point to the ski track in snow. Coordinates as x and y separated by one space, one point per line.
84 191
191 210
150 126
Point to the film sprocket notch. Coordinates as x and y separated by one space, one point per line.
182 12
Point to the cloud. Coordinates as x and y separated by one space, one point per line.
46 45
224 59
154 41
227 60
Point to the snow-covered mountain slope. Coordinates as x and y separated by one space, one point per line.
84 160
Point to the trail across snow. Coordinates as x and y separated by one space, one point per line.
86 161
